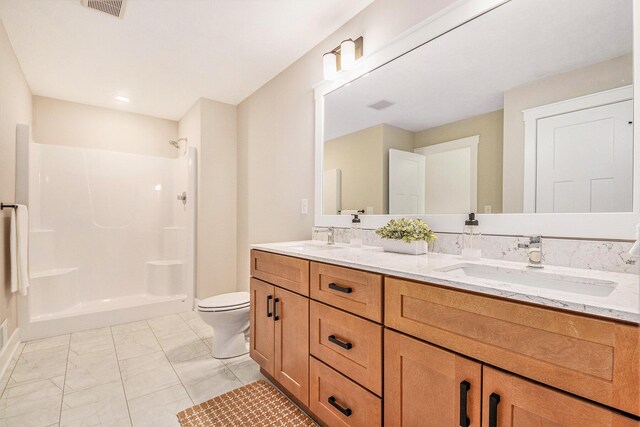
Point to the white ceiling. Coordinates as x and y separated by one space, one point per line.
165 54
466 72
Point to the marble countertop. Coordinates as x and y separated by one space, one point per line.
623 303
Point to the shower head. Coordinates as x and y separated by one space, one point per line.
176 142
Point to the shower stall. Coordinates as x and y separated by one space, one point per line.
111 237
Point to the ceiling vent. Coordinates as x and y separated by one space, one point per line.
112 7
381 105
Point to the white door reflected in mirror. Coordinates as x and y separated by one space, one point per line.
585 160
406 182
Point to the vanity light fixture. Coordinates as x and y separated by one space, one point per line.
343 57
329 65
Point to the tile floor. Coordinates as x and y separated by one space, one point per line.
136 374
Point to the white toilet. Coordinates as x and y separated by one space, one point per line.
228 314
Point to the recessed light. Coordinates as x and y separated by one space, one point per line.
122 98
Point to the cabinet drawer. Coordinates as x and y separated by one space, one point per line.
355 291
348 343
593 358
516 402
284 271
338 401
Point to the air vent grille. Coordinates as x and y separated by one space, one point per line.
381 105
112 7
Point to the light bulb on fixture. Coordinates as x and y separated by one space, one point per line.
329 65
347 54
122 98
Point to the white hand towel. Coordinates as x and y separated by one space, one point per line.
19 248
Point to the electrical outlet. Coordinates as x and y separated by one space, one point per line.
304 206
487 208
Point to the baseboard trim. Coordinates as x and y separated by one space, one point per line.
8 351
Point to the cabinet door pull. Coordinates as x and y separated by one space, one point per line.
275 309
464 389
346 411
336 341
340 288
494 399
269 298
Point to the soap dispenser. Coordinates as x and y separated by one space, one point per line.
471 238
355 235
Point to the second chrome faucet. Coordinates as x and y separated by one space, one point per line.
534 251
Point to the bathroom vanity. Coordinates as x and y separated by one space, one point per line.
359 337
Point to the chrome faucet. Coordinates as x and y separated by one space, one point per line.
330 234
534 251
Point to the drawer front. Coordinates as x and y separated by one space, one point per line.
593 358
513 401
347 343
355 291
338 401
284 271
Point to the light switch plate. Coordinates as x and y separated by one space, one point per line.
304 204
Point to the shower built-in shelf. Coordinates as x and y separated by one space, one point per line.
53 290
164 277
53 272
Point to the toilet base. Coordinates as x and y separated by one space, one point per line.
226 346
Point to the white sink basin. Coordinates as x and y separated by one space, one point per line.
534 279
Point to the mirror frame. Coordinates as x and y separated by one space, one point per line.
610 226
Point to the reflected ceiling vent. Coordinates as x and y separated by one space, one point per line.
112 7
381 105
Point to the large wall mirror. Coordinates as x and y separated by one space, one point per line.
527 108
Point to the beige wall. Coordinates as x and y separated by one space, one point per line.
211 127
15 108
279 118
359 157
595 78
489 126
60 122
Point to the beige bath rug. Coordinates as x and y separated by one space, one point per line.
256 404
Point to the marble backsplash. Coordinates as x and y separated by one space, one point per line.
590 254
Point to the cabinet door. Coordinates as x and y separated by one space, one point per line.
511 401
262 328
291 319
428 387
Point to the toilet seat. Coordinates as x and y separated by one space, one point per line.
225 302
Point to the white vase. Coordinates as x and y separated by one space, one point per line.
398 246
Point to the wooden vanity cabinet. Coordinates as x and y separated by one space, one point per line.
593 358
443 357
280 336
425 386
511 401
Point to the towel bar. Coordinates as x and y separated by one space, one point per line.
6 206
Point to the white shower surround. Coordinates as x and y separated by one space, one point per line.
109 241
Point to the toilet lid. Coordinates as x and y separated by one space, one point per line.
228 301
